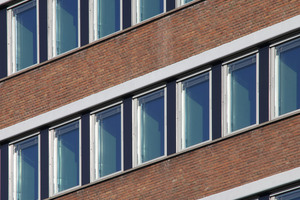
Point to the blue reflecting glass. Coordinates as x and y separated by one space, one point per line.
292 195
66 25
25 35
151 126
243 93
150 8
27 169
186 1
109 136
67 156
288 60
108 17
196 109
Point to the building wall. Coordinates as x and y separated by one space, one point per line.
225 164
139 50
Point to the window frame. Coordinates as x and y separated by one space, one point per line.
135 10
135 126
12 164
273 82
180 3
53 190
52 52
93 143
180 136
93 28
226 94
11 43
273 196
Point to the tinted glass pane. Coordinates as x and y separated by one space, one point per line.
66 25
150 8
108 17
27 169
109 130
186 1
196 110
292 195
242 93
67 156
288 60
25 36
151 126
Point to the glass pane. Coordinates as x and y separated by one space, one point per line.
108 17
288 60
27 169
186 1
293 195
150 8
151 126
67 156
25 35
109 130
242 93
66 25
196 110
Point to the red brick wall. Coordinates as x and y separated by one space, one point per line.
223 165
177 36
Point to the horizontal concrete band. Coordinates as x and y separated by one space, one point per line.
201 59
258 186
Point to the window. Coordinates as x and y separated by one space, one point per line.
105 17
144 9
150 133
194 110
64 157
182 2
286 77
64 26
289 195
24 169
106 142
22 36
241 91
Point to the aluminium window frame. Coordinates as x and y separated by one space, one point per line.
135 127
53 163
93 19
273 196
11 43
93 143
226 94
273 79
12 165
180 136
51 10
135 11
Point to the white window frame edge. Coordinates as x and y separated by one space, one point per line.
93 28
12 166
135 127
225 79
179 109
53 165
273 79
11 57
272 196
93 148
179 3
135 9
51 10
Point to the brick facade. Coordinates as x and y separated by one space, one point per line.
139 50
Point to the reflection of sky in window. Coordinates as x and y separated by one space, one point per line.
289 77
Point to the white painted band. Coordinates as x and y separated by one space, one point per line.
201 59
259 186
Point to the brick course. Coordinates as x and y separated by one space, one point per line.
140 50
207 170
